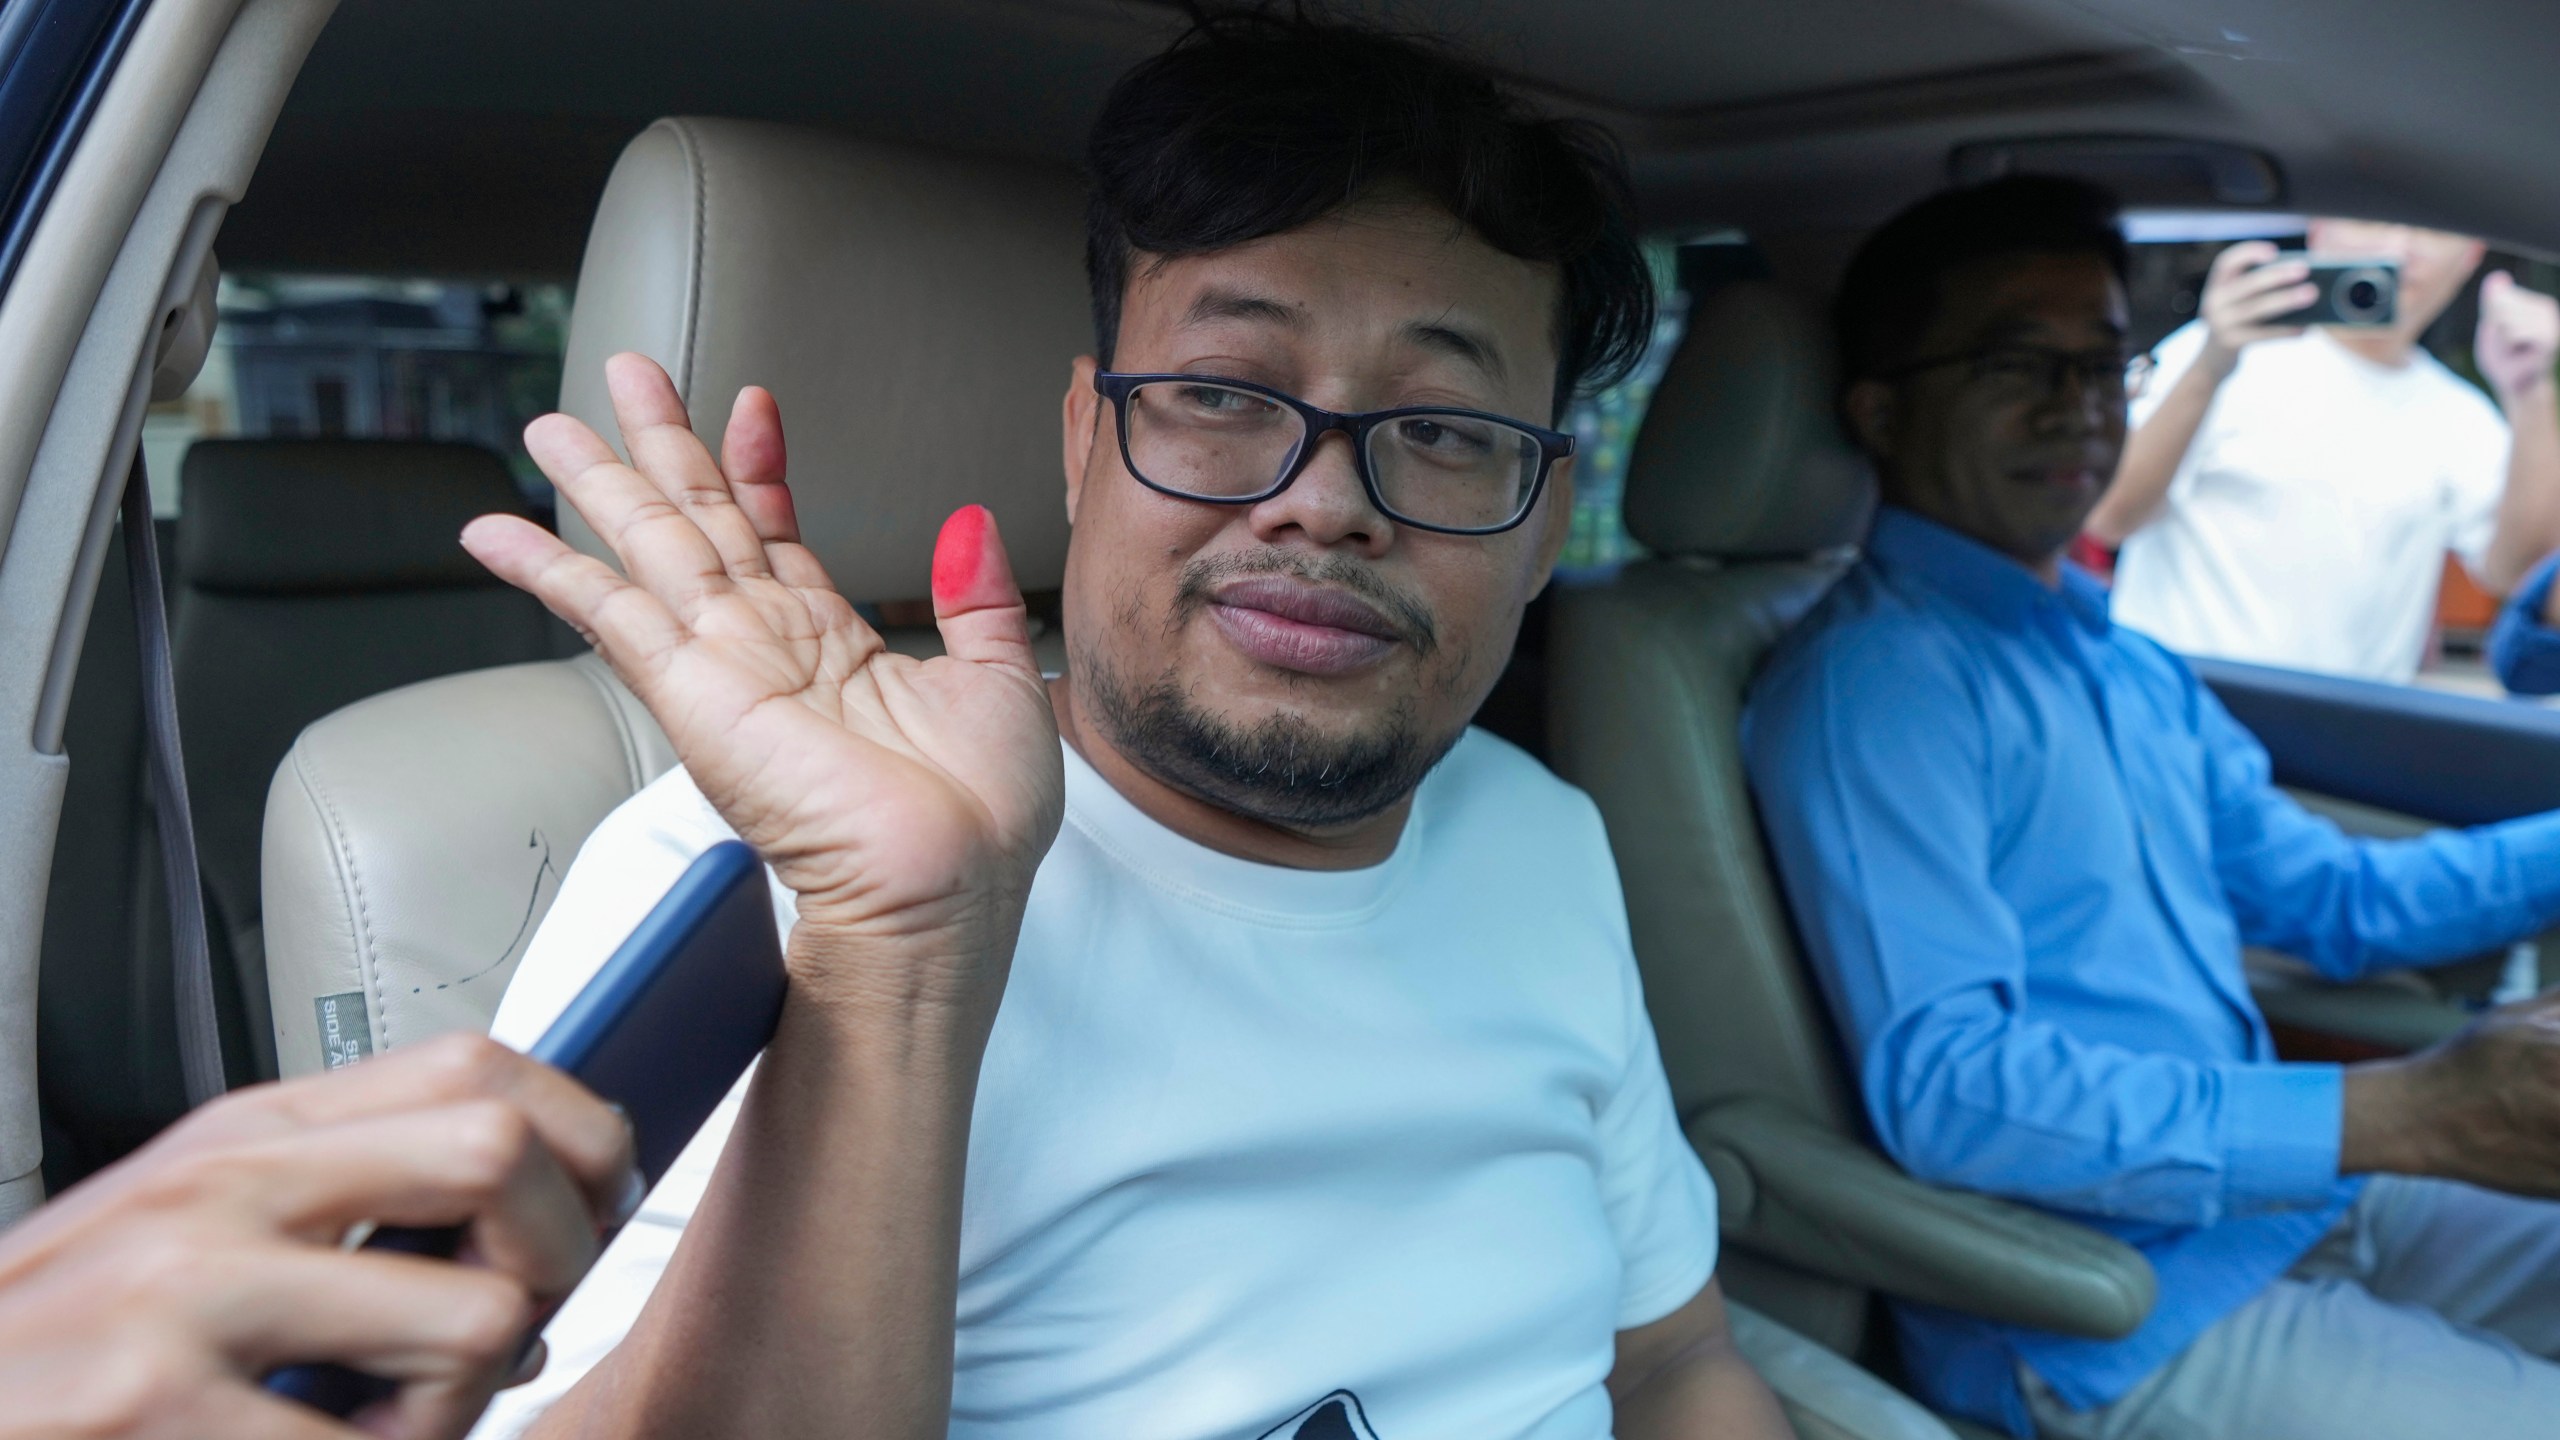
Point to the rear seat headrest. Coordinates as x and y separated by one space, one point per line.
286 516
914 312
1740 456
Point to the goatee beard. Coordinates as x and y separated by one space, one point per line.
1279 771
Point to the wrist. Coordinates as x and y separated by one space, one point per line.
920 1063
2535 388
2215 362
910 991
2386 1126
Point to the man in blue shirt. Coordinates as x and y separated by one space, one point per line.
2025 849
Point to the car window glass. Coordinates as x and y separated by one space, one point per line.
369 357
1604 423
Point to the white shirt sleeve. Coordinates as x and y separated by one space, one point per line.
2170 358
2476 446
620 873
1660 1202
1661 1205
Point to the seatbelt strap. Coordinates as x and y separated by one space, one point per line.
190 953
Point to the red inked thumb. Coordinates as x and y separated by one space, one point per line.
975 603
970 571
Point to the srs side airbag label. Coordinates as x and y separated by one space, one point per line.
346 1035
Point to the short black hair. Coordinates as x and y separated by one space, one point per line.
1254 123
1890 295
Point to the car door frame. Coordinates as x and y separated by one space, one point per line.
182 109
2449 759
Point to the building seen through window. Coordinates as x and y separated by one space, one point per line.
370 357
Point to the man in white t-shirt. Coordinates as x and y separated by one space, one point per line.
2287 495
1321 1101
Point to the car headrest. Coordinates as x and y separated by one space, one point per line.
295 516
914 312
1740 456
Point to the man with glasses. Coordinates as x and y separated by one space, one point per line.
2289 493
1322 1102
2024 848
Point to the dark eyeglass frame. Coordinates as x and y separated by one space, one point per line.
2135 369
1116 387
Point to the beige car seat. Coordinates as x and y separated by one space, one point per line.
302 575
313 573
915 315
1749 502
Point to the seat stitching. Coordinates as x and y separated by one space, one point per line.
342 845
699 171
621 725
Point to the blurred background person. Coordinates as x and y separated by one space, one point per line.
2288 494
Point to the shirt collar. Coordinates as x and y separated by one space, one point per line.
1982 579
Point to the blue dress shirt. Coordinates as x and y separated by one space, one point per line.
2024 849
2524 651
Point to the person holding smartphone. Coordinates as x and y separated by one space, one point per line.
148 1300
2288 493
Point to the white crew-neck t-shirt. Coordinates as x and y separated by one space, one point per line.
1259 1151
2308 525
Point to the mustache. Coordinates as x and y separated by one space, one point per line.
1203 575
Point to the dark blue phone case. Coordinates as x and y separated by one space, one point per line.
663 1030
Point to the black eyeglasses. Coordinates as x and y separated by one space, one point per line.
2035 372
1232 442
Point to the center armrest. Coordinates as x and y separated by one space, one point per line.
1797 1192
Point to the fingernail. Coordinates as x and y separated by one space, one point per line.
529 1362
633 1190
626 1203
959 552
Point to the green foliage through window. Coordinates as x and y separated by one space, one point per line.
1604 427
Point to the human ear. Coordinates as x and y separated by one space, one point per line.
1078 415
1867 408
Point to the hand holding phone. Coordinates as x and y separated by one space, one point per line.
2248 286
662 1031
2348 294
136 1302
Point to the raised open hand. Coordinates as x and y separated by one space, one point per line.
2518 336
900 799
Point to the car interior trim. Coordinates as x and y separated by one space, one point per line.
2452 759
71 63
190 104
